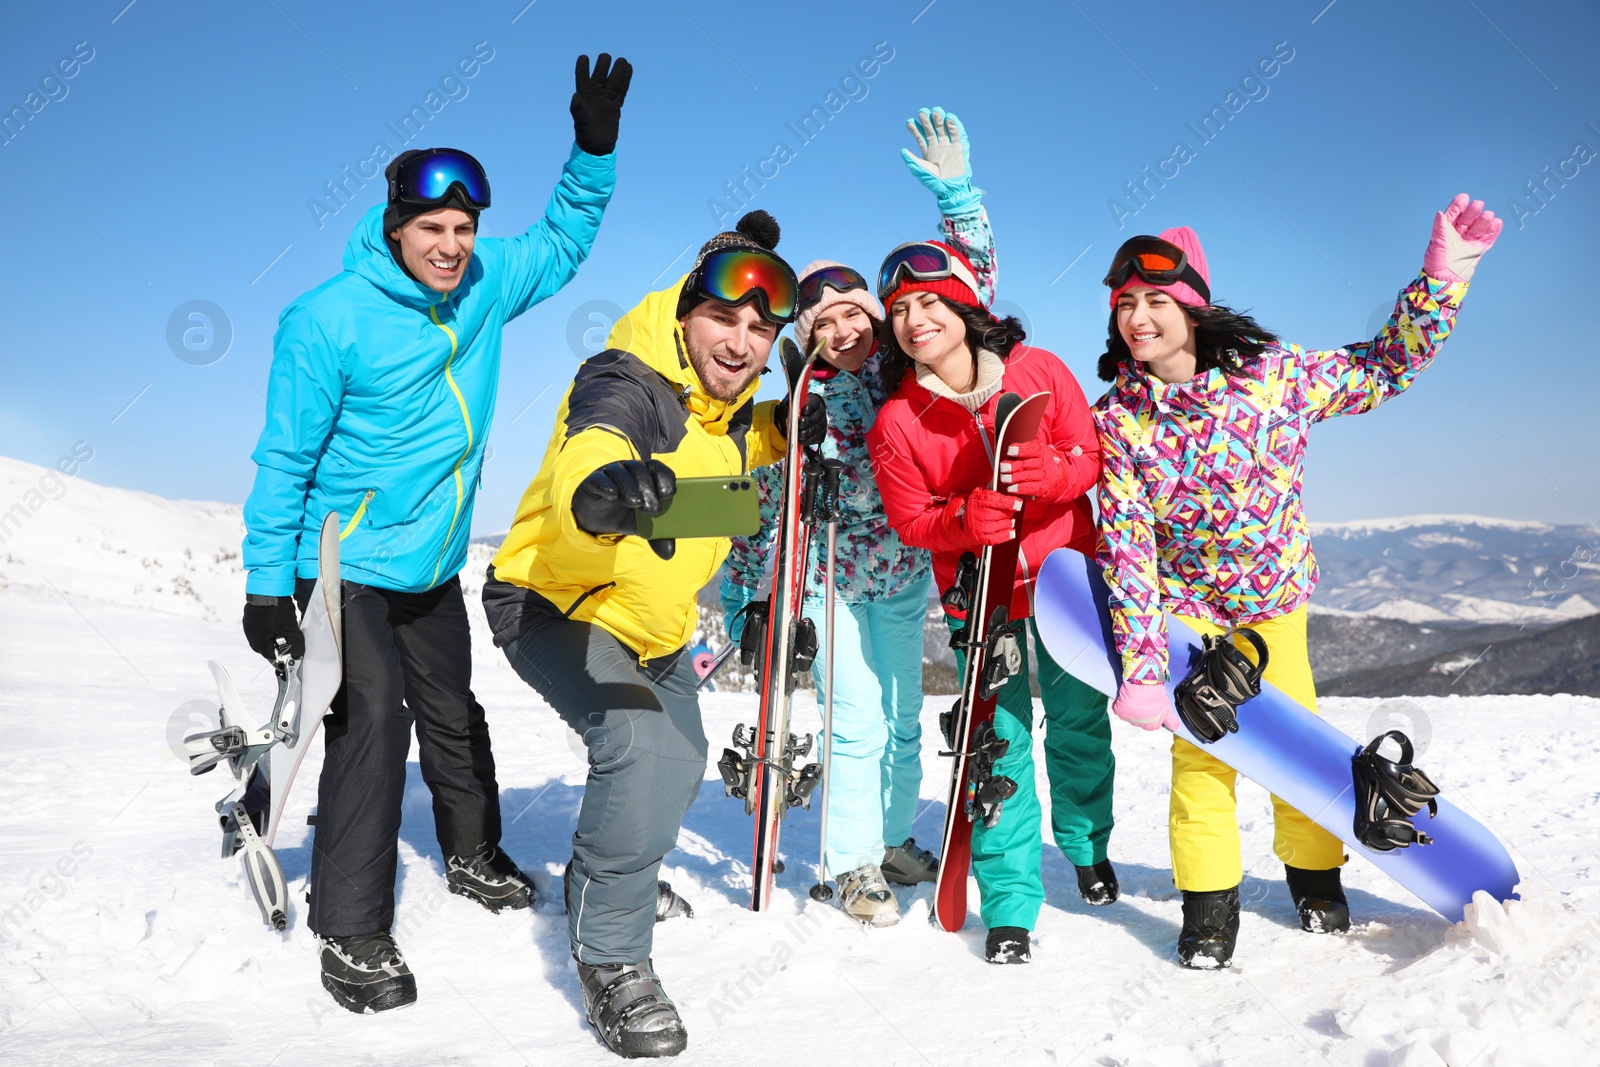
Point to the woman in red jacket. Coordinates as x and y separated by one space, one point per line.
931 453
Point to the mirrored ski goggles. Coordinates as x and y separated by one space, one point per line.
430 175
924 262
840 279
1157 262
736 275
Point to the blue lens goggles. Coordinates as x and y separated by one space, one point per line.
429 176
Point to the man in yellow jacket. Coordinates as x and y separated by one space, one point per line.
597 619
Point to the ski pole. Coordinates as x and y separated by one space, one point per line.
832 468
717 662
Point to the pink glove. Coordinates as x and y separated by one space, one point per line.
1036 470
1145 705
1461 233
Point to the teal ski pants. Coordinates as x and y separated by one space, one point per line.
876 771
1080 766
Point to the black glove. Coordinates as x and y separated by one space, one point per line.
597 104
813 420
267 619
606 500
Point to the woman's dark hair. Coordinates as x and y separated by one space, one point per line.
1222 338
984 331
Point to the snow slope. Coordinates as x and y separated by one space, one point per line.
124 939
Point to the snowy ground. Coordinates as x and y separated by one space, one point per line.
124 939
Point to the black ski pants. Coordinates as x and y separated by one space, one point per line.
407 657
647 758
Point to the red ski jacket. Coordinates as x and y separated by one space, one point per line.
928 450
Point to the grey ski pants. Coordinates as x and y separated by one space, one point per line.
647 758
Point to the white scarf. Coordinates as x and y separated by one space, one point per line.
991 368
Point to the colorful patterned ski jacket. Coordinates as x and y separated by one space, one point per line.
872 562
1200 510
381 392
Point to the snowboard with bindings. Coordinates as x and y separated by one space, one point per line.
763 768
1279 745
264 760
988 641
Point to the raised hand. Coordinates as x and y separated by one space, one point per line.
945 165
1462 233
597 102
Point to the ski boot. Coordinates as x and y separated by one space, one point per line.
1007 944
491 879
867 898
1098 884
1210 928
1319 898
670 905
906 864
630 1011
366 973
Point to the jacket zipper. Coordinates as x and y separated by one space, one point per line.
355 519
466 418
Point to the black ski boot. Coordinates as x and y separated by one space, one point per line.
630 1011
366 973
1098 884
1007 944
1210 929
1319 898
491 879
670 905
907 864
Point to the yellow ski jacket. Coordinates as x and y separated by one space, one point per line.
639 399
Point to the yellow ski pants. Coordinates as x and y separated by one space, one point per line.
1202 823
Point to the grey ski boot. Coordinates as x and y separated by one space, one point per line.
630 1011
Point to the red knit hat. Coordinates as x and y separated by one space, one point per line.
951 288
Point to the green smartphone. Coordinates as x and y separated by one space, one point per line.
707 507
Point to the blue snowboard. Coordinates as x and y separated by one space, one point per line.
1280 745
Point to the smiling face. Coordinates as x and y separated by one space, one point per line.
849 333
1158 331
728 346
931 333
437 247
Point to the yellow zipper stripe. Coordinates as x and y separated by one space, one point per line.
361 509
466 417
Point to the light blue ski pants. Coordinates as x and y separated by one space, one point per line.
876 771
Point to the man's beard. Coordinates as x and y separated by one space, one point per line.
713 379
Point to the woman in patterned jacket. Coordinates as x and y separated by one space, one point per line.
881 584
1203 437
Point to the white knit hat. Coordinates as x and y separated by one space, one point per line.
861 298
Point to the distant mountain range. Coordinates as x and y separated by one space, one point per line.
1409 606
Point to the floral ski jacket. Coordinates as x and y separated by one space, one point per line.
871 562
1199 497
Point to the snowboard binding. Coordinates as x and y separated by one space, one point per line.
1389 794
1221 679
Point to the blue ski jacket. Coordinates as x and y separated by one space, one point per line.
381 393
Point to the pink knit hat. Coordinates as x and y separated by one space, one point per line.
861 298
1182 292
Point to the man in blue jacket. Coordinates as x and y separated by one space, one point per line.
379 400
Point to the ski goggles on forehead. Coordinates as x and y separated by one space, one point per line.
924 262
1157 262
840 279
429 177
737 275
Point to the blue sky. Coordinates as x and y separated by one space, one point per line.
180 160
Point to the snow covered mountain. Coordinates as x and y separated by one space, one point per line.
124 938
1458 569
